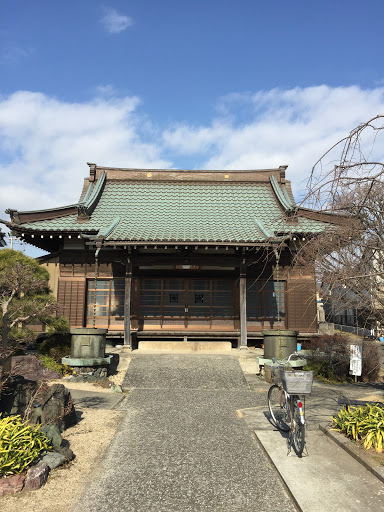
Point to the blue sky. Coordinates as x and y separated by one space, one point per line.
173 83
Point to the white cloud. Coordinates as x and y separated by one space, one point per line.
45 143
13 54
106 90
114 23
276 127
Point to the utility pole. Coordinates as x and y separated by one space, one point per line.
14 240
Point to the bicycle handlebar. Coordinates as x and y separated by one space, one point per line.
286 360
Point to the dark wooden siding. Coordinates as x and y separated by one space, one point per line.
301 304
85 269
71 300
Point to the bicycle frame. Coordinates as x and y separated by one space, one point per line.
300 402
301 407
289 400
288 409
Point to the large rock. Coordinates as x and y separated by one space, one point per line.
53 459
31 368
11 484
59 444
36 476
54 406
40 402
16 394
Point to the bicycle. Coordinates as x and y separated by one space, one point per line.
286 406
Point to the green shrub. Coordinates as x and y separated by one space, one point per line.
330 358
56 345
364 423
323 370
24 335
52 364
58 325
20 444
371 361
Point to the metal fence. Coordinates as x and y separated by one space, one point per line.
359 331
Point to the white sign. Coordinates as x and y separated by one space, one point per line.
356 359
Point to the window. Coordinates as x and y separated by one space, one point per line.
194 298
105 301
265 299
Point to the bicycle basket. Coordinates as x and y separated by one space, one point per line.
272 374
297 383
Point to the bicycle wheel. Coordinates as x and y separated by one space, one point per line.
298 431
278 408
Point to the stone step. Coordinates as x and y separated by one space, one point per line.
185 346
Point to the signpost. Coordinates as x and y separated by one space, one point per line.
356 360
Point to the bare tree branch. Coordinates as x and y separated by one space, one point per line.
348 180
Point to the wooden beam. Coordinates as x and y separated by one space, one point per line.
127 303
191 244
243 306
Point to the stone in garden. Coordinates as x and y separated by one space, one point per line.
11 484
66 451
100 372
59 444
16 394
31 368
53 459
36 476
52 432
50 404
57 408
103 382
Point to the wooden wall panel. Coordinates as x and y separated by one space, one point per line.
301 304
85 270
71 299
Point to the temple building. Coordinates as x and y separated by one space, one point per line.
179 254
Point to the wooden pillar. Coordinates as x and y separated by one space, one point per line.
243 306
127 303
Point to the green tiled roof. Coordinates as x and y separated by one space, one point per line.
184 211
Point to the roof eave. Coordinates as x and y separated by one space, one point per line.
19 218
173 243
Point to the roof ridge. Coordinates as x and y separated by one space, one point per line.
263 229
88 193
283 198
94 194
106 233
86 207
224 171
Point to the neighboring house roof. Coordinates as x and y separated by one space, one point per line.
143 205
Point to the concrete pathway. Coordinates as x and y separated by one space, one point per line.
327 478
182 446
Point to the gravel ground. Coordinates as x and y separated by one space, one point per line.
88 439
